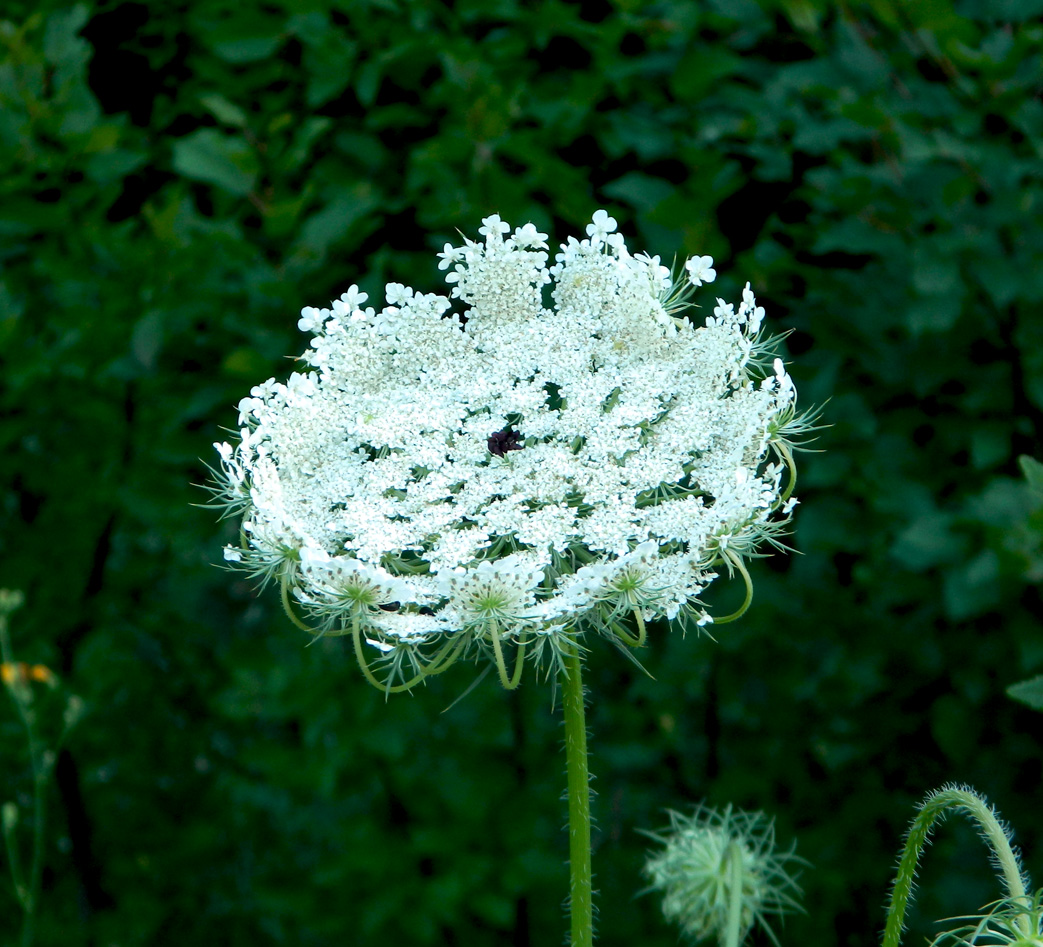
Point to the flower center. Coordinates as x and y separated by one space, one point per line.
503 441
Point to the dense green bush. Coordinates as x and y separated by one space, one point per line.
178 179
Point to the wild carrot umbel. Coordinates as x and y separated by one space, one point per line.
511 480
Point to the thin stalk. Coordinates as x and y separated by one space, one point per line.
735 879
641 631
787 457
445 658
581 904
29 896
519 664
14 859
387 688
284 596
737 562
36 869
501 665
509 683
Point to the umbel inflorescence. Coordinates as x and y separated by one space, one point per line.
501 480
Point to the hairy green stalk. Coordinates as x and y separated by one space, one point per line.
935 806
735 887
581 903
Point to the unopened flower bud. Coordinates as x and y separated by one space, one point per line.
711 859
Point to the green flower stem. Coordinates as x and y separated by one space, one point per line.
445 658
992 831
735 886
519 664
28 890
14 858
387 688
581 904
787 457
509 683
284 596
36 869
733 560
641 631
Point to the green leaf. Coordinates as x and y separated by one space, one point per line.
640 191
62 44
333 222
933 314
927 542
1028 692
247 37
109 166
227 113
208 155
1033 471
700 69
973 588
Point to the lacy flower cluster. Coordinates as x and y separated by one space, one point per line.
578 449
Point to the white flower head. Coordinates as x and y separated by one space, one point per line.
345 585
493 228
541 464
528 236
502 591
601 227
700 270
312 319
353 298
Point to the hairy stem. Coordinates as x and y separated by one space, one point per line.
386 687
284 597
735 879
581 904
509 683
641 631
935 806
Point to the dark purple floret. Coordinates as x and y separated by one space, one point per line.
503 441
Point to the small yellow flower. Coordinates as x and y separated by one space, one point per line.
20 671
41 673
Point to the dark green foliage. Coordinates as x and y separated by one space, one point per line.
177 180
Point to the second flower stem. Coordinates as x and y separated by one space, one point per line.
581 903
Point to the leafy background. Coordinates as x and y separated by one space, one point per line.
178 178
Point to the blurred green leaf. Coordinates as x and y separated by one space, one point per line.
640 191
1032 470
1028 692
227 113
212 157
973 587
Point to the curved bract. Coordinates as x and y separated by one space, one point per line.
517 473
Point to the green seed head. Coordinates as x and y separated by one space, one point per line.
718 865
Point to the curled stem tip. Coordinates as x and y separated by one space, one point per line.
791 483
385 686
509 682
736 562
287 606
642 633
